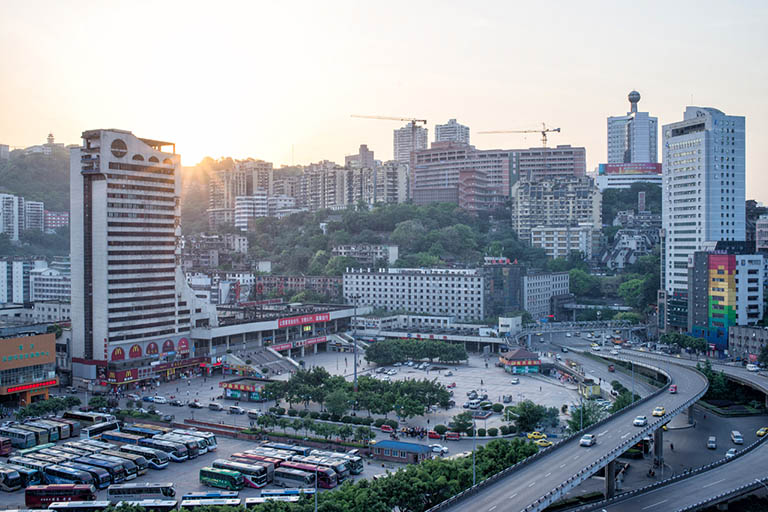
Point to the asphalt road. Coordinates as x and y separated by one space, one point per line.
536 479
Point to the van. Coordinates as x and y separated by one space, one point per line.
452 436
474 404
736 437
564 349
752 367
712 443
673 388
234 409
213 406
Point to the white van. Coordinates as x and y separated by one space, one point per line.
736 437
752 367
474 404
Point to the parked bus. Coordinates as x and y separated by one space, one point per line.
152 505
101 477
222 478
289 477
46 459
56 453
79 506
65 429
87 419
256 476
298 450
41 434
77 445
193 504
74 426
140 431
19 438
199 442
26 451
354 462
74 451
116 471
280 455
326 477
28 476
31 464
252 458
210 495
5 446
142 491
141 463
40 496
121 437
210 437
157 459
177 452
192 444
98 444
163 430
53 432
131 470
296 491
98 429
56 474
252 502
338 465
10 479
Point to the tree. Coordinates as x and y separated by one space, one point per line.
623 400
337 402
763 357
97 402
363 434
528 415
631 292
587 414
461 422
345 432
583 284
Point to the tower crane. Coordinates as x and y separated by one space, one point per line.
544 130
412 121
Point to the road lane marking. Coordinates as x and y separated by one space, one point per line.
547 474
602 433
711 484
512 495
625 435
492 508
532 483
562 465
576 457
655 504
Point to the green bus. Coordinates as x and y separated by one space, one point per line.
222 478
26 451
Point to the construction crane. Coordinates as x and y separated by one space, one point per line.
544 130
412 121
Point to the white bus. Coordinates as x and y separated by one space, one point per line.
287 477
140 491
210 437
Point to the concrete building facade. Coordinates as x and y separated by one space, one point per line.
368 254
561 241
404 143
633 137
452 131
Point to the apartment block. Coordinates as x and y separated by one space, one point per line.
407 140
452 131
562 161
250 207
55 220
47 284
368 254
561 241
539 288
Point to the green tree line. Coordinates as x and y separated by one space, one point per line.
392 351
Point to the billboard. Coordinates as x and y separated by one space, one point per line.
630 168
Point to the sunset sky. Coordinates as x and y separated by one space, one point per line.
260 78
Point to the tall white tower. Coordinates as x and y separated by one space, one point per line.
633 138
703 190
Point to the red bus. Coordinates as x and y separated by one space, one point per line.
40 496
326 477
5 446
255 459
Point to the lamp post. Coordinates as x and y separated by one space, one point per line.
474 443
354 340
315 487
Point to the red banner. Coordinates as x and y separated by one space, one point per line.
304 319
282 346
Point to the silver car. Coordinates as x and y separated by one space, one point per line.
588 440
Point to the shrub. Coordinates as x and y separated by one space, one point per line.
265 370
481 432
391 423
292 412
504 430
470 431
493 431
348 419
335 417
273 410
248 361
378 422
368 420
441 429
314 415
280 411
497 407
303 413
324 416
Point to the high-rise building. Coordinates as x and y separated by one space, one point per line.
224 186
556 202
11 216
761 233
393 183
55 220
15 279
130 301
404 142
545 163
703 188
362 160
258 175
5 152
250 207
452 132
34 215
633 138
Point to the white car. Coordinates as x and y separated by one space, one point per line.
588 440
515 380
160 400
392 372
730 453
567 335
640 421
438 448
614 352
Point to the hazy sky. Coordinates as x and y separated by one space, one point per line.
260 78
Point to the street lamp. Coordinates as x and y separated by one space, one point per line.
354 340
474 443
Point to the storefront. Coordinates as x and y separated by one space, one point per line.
244 390
27 369
520 361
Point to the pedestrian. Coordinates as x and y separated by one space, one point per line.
671 447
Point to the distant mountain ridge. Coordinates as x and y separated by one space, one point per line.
38 178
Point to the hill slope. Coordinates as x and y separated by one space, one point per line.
38 178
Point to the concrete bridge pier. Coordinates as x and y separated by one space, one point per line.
690 414
658 447
610 479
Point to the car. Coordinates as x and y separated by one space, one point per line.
409 363
596 348
535 435
387 429
195 405
640 421
614 352
438 448
567 335
452 436
398 364
761 432
234 409
659 411
731 453
168 417
465 405
160 400
380 370
472 394
449 373
673 389
539 334
133 396
712 442
588 440
514 380
392 372
564 349
543 443
176 403
451 385
147 399
433 435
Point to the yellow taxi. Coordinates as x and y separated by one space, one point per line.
543 443
761 432
659 411
536 435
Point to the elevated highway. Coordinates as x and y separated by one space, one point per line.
546 477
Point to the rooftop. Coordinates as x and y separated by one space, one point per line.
403 446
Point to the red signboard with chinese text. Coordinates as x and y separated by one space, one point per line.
304 319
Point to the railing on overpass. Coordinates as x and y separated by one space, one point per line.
556 494
682 476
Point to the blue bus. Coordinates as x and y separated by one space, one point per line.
101 477
298 450
141 431
57 474
116 471
29 476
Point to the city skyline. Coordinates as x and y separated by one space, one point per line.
242 92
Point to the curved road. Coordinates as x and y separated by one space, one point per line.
546 479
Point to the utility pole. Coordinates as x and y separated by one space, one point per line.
474 443
354 345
